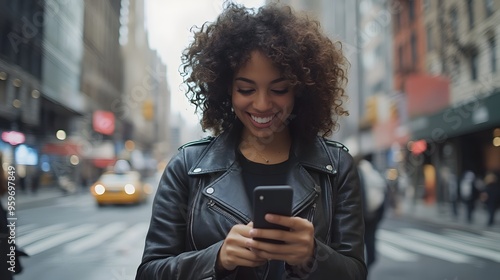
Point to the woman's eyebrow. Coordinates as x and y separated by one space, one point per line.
253 82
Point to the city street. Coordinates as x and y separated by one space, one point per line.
71 237
96 96
419 250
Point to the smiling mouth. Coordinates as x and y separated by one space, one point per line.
262 120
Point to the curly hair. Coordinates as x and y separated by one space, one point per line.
313 63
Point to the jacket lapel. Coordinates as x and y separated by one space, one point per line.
228 189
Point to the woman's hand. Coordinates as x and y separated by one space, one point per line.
235 253
299 241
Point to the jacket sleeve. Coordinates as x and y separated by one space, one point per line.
165 255
343 259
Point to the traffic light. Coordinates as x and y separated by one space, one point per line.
148 110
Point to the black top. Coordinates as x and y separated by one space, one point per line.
257 174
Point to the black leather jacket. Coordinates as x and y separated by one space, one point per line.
201 196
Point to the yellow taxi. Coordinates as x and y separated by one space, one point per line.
120 188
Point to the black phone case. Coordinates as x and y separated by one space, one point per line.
272 200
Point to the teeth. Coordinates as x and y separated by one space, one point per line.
262 120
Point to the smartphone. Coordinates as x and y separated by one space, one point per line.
271 200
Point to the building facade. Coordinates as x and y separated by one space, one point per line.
146 101
39 79
463 132
339 21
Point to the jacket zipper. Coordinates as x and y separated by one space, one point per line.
212 205
310 217
308 203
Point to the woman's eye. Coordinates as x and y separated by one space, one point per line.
280 91
245 91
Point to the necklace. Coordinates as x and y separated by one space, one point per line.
260 155
253 150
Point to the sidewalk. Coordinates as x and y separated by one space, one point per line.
441 213
26 200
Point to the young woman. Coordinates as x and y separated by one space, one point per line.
269 85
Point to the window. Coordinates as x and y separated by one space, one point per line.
455 71
488 5
414 54
454 21
493 54
474 63
7 36
36 63
411 10
378 87
397 25
470 11
400 58
3 87
427 5
430 42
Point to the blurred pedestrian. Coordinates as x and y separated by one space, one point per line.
450 184
469 193
270 86
491 194
374 190
35 179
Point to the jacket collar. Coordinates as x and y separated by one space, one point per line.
220 154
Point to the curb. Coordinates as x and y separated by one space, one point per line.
439 215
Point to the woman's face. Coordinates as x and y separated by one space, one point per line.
262 99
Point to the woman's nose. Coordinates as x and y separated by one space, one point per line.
262 101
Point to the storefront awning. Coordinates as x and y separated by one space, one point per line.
479 114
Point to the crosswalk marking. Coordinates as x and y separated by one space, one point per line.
463 248
97 238
121 240
39 234
128 238
423 248
473 239
395 253
24 228
59 239
492 234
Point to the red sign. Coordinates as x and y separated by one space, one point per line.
13 137
418 147
427 94
62 149
104 122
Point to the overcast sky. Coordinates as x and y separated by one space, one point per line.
168 22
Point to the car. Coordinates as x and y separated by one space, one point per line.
120 188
